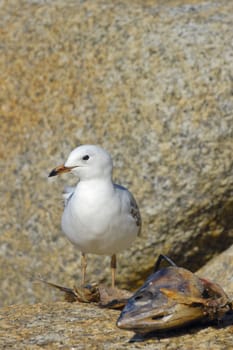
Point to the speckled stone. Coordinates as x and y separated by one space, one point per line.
219 269
151 81
68 326
78 326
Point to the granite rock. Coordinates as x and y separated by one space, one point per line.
68 326
63 325
151 81
219 269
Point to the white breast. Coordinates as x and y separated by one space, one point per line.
97 219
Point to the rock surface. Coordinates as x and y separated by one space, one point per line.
63 325
68 326
151 81
219 269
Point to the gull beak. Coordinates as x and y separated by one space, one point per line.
60 170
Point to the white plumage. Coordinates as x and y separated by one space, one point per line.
99 217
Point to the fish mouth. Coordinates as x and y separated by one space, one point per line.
144 323
175 316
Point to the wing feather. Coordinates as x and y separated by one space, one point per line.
134 209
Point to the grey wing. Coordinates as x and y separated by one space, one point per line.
134 210
67 194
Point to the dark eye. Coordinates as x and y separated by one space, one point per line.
86 157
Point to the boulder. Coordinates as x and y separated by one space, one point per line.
151 82
63 325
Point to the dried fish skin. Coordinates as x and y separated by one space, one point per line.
171 298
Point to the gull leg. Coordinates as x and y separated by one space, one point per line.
113 269
84 267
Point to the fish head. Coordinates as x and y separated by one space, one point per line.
170 298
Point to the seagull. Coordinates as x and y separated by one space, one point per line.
99 217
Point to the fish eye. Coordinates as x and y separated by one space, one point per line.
86 157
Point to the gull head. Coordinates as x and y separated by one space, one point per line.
86 162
